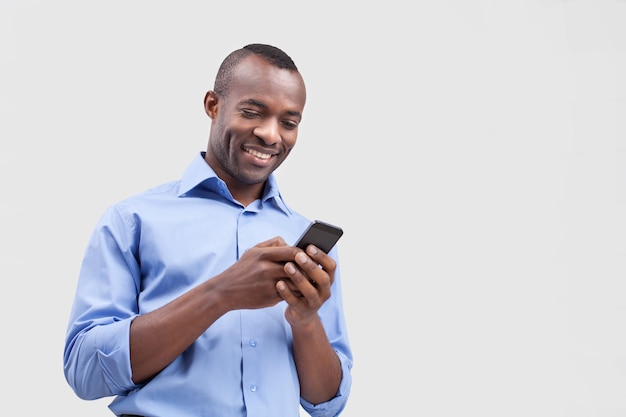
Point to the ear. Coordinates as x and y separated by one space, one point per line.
211 100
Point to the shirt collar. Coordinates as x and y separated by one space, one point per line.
199 179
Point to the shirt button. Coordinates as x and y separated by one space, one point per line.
253 388
252 342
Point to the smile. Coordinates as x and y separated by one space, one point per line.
258 154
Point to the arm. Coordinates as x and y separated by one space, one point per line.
158 337
319 368
110 347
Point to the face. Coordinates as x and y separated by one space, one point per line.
255 126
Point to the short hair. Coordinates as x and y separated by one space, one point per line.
269 53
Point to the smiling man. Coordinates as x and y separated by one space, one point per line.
190 302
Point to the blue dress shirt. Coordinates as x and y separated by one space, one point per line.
151 248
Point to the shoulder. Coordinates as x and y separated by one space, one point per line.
144 202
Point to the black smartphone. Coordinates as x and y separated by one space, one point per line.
321 234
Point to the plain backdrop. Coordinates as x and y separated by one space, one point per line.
473 152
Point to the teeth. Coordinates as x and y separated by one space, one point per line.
259 154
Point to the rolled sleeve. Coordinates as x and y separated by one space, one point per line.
334 406
98 365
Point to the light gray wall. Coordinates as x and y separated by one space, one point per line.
473 152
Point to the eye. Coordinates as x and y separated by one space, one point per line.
250 114
290 124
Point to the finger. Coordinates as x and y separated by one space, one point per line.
312 270
322 259
275 241
291 296
306 285
292 287
296 276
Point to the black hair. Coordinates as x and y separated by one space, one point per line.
271 54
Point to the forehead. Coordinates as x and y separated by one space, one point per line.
256 79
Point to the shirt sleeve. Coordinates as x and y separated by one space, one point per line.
334 406
96 359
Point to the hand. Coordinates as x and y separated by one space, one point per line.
310 277
250 282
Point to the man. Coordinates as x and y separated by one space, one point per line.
191 299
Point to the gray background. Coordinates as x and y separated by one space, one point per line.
473 152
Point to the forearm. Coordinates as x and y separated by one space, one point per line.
319 368
158 337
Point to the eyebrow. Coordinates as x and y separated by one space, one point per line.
262 105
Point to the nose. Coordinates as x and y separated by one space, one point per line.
268 131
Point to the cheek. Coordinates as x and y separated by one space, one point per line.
290 141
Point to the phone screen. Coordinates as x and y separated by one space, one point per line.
321 234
